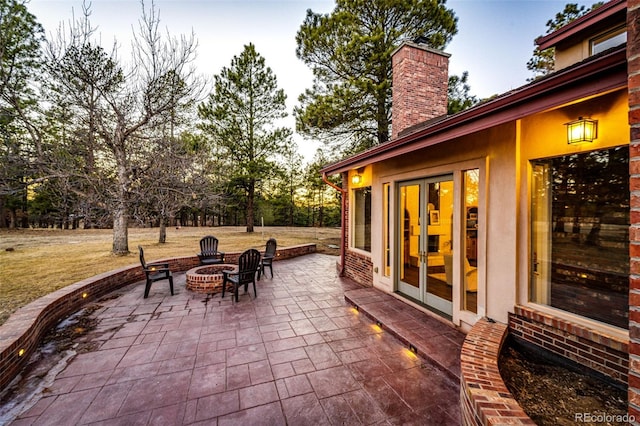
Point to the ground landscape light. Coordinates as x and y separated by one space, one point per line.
581 130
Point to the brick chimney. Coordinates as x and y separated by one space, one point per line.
420 81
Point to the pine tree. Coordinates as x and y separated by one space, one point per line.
240 116
349 51
543 62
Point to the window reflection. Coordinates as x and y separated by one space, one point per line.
362 218
470 276
387 230
580 223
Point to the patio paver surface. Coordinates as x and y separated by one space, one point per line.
298 354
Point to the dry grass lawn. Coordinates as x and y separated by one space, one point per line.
34 262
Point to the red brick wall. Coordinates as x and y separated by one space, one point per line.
484 398
598 351
420 81
345 213
633 57
359 268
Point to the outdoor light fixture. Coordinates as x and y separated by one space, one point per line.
357 178
21 352
413 349
582 130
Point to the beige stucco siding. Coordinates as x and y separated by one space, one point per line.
544 135
502 228
503 153
494 148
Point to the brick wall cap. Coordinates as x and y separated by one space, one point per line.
421 47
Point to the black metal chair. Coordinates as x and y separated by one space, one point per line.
155 272
269 255
209 254
248 265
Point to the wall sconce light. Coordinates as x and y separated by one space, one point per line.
357 178
582 130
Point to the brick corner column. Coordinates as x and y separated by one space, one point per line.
344 244
633 58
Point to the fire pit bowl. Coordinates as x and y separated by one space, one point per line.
207 279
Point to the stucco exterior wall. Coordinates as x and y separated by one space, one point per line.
493 150
544 136
501 223
504 152
570 55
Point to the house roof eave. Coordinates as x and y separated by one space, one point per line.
576 26
591 77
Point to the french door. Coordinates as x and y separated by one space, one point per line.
425 255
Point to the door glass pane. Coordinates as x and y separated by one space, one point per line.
410 235
387 242
439 240
470 266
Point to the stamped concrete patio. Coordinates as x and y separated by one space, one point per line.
298 354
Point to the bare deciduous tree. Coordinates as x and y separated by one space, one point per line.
119 105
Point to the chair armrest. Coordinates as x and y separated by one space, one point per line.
227 273
157 271
157 266
211 254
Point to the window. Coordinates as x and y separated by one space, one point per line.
387 229
580 234
362 218
470 179
608 40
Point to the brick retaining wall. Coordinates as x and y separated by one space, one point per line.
484 398
598 351
20 335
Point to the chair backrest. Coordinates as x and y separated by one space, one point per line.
270 250
144 264
209 244
248 264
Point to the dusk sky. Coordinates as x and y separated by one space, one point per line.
494 40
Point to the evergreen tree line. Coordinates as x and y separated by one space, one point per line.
94 141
